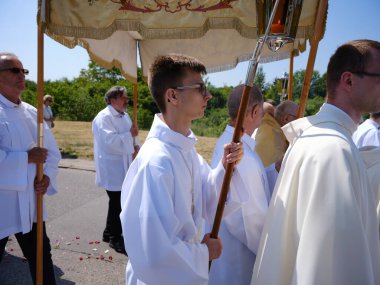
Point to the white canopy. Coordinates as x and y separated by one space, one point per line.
220 33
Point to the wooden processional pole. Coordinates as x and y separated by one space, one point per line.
40 137
290 78
134 119
250 78
319 22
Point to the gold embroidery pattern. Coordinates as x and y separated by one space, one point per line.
157 5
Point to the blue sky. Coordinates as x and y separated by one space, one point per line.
347 20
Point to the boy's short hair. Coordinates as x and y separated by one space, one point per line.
168 71
233 103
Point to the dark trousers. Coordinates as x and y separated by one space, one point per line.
28 245
113 224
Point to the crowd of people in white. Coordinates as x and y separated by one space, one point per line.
303 206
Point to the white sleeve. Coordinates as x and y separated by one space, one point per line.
13 180
152 231
52 161
212 180
115 142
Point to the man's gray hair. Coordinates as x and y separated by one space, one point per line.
283 108
6 57
113 93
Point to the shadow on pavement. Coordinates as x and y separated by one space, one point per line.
15 270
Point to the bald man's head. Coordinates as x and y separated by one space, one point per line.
286 112
268 108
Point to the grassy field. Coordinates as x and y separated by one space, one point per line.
75 140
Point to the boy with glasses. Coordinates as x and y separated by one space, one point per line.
169 189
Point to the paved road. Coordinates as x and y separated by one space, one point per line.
76 220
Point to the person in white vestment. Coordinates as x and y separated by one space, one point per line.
241 231
368 133
114 148
48 113
19 155
321 226
169 188
371 157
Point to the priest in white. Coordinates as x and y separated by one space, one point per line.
368 133
371 157
321 226
241 231
114 146
18 157
169 189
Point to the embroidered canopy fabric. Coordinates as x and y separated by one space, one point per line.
220 33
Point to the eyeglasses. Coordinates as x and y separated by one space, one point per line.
16 70
200 86
361 73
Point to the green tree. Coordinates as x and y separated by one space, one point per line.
260 79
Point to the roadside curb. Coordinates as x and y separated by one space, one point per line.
79 164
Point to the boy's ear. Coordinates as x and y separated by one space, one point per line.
171 95
254 109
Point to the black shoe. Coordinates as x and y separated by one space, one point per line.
118 246
106 238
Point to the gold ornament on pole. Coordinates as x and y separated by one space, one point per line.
284 25
284 84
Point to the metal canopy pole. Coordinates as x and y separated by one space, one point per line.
250 78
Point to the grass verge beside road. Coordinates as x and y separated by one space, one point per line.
75 140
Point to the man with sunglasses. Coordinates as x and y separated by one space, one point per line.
169 189
321 227
18 158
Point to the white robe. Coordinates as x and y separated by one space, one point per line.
18 134
48 114
240 232
367 134
371 157
168 190
113 148
321 227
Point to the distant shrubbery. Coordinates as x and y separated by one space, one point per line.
82 98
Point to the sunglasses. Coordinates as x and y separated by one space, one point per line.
363 73
16 70
200 86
